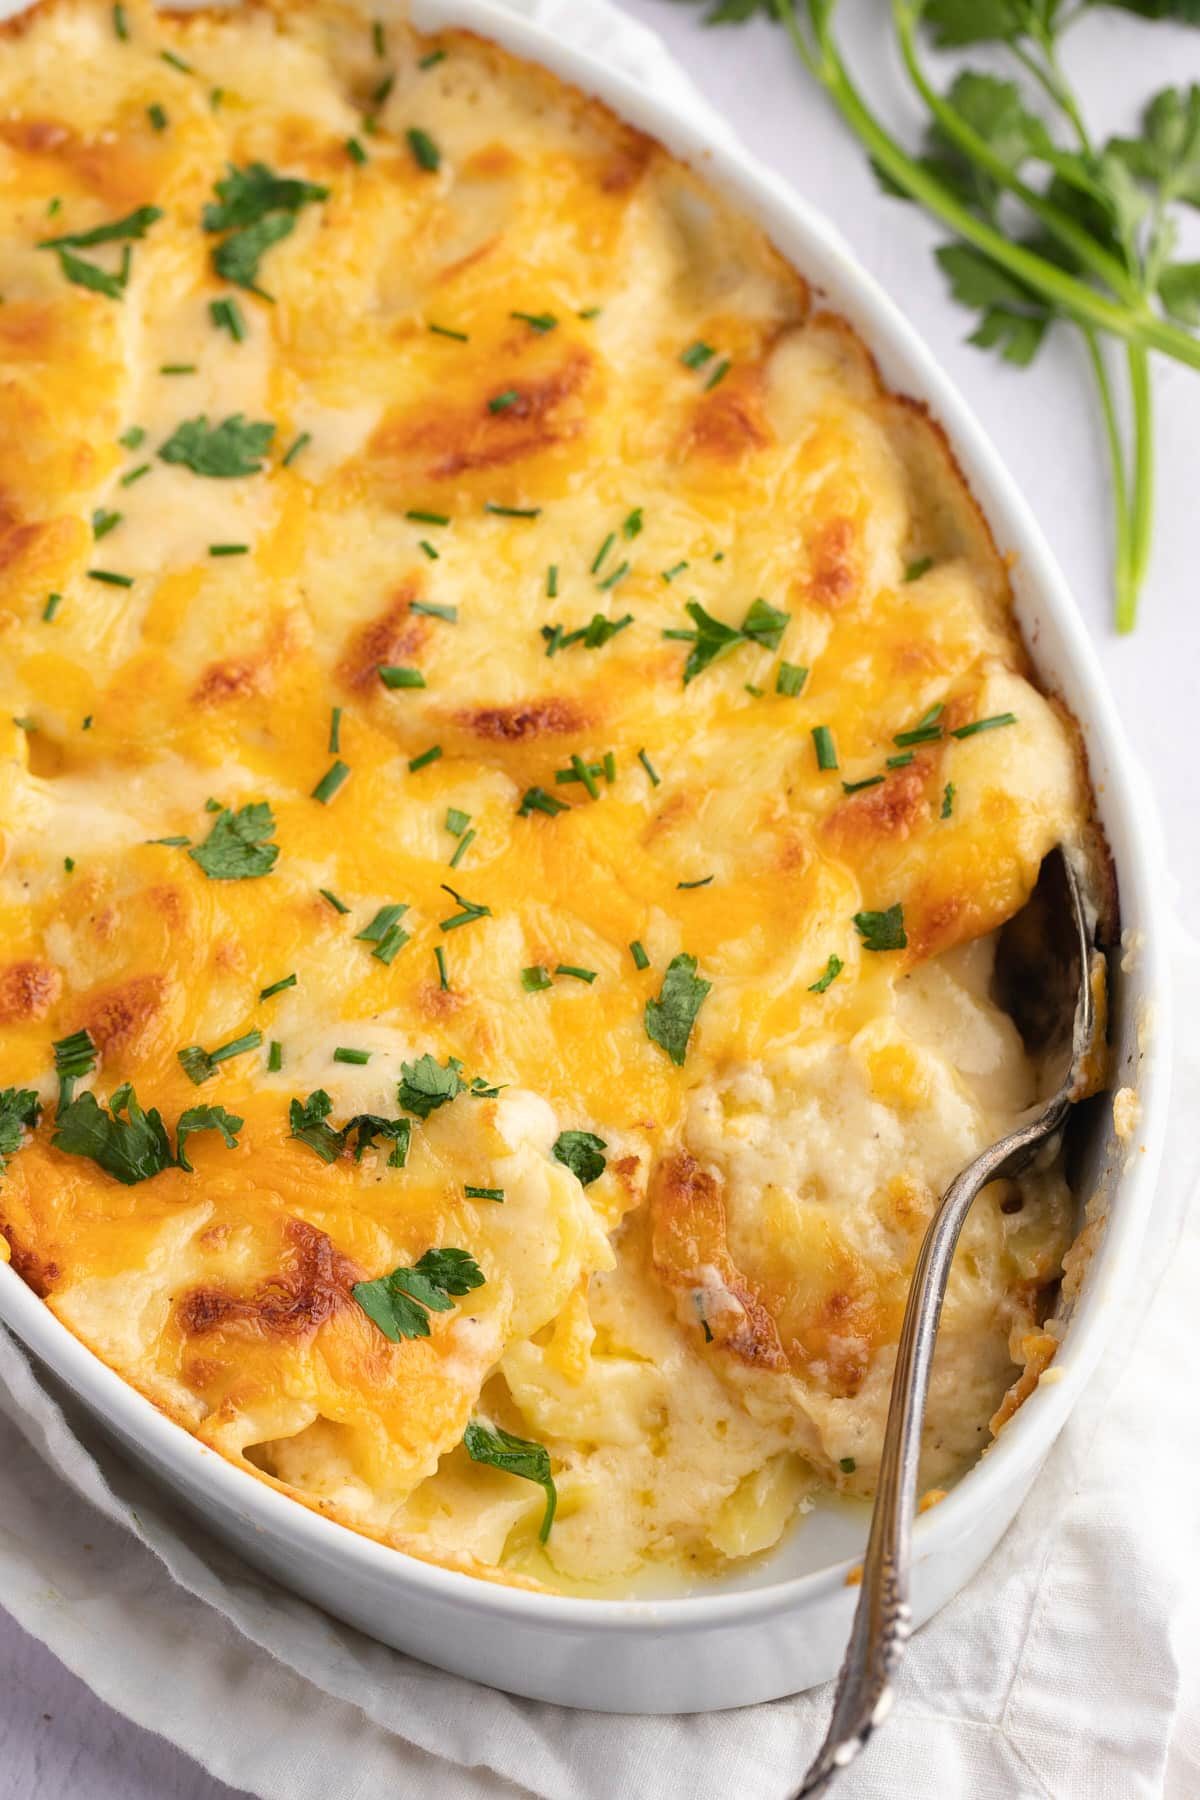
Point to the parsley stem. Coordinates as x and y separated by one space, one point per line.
1141 506
1136 323
1126 600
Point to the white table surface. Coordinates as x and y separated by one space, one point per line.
57 1742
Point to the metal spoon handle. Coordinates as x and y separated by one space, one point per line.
883 1619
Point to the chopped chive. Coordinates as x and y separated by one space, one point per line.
552 581
610 767
900 762
392 941
176 62
823 744
602 552
832 970
652 772
275 1057
157 116
536 799
502 402
673 571
172 843
425 152
393 676
536 978
104 522
425 545
563 776
299 444
978 725
112 579
511 512
330 782
482 1193
335 731
588 975
536 321
177 368
790 679
590 312
133 438
426 757
432 60
359 1057
68 863
695 884
638 953
427 518
277 987
856 787
439 957
53 602
457 821
461 849
633 524
380 94
226 316
338 906
555 638
378 39
471 910
355 151
382 922
948 800
696 354
229 549
610 581
24 722
915 570
460 337
87 723
719 373
135 474
120 26
584 774
751 689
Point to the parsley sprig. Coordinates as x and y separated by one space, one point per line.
1051 223
400 1303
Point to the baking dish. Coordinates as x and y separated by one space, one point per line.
779 1626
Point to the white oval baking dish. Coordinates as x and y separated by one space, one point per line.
783 1626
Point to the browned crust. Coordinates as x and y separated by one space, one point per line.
314 1283
28 990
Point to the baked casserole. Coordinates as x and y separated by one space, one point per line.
514 751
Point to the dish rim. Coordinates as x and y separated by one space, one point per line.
807 241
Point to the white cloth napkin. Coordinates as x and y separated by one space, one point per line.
1069 1670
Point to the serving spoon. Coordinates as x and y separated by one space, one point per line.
1043 979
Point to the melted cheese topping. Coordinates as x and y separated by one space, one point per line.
704 1335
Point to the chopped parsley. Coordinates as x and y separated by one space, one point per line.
425 152
882 930
135 1147
400 1303
828 976
257 208
232 448
515 1456
669 1019
697 354
236 849
74 1057
425 1084
583 1153
915 570
309 1124
20 1110
133 225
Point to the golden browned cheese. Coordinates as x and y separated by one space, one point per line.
522 370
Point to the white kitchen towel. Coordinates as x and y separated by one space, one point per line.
1061 1673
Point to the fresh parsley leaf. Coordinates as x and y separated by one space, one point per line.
247 195
20 1109
234 447
425 1085
882 930
583 1153
829 975
236 258
98 281
365 1128
308 1122
516 1456
670 1018
133 225
236 849
131 1149
1179 291
205 1118
400 1303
